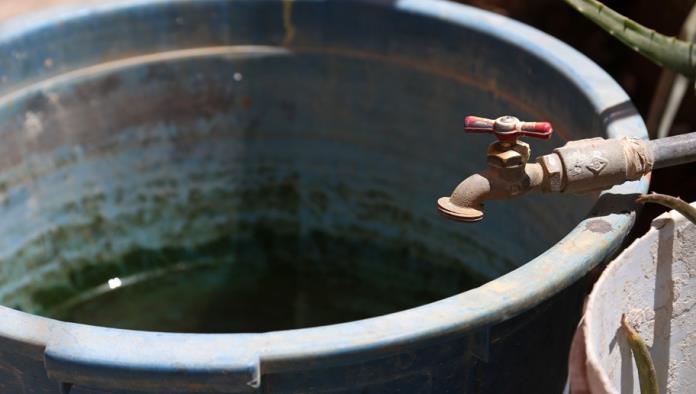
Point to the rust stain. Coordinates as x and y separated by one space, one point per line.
487 86
598 226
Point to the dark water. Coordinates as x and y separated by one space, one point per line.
274 282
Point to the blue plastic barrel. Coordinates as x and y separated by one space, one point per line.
299 147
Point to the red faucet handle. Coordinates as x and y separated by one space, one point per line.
541 130
475 124
508 128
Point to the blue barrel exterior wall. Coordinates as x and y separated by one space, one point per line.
509 335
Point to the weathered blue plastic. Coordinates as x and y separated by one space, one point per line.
443 61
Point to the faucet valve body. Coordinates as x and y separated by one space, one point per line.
508 174
508 151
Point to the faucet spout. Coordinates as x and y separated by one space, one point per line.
466 202
495 183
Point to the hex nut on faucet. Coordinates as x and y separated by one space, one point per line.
553 173
507 155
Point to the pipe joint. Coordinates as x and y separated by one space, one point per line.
596 164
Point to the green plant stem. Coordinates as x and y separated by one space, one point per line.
670 202
670 52
646 369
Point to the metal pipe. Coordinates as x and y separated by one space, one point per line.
672 151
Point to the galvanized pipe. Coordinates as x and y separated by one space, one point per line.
672 151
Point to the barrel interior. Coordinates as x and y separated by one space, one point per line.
255 186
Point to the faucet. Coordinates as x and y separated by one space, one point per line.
580 166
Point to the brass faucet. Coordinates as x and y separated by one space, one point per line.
508 173
579 166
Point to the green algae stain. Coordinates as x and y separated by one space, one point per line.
251 257
272 280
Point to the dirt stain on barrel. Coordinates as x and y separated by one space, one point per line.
598 226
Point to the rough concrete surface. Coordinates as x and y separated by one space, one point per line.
654 283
